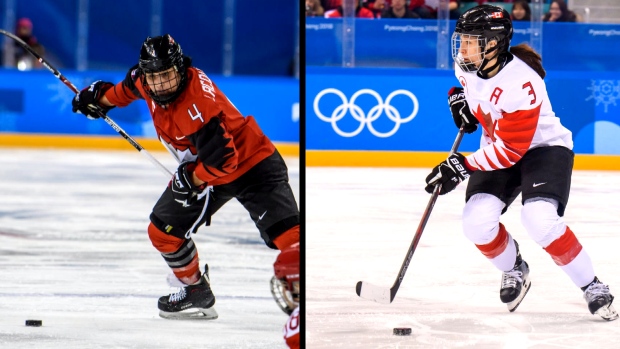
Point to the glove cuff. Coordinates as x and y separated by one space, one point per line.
102 91
459 165
188 171
105 87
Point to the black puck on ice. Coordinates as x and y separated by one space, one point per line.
402 331
34 323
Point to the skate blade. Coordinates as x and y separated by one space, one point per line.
190 314
512 306
608 313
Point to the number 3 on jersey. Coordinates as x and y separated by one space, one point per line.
198 114
529 86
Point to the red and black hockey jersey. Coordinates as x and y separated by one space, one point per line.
202 124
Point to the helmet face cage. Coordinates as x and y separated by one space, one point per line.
162 86
474 59
162 68
286 294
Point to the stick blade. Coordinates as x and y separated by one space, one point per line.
374 293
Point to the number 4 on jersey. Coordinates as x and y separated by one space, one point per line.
198 114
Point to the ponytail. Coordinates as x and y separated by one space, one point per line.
527 54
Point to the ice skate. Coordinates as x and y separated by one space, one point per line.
191 302
515 283
599 300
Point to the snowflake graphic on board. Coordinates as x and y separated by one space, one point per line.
61 95
605 92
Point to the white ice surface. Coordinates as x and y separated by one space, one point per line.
74 253
360 223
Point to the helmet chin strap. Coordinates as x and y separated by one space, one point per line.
500 60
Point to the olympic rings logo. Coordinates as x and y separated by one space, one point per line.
358 114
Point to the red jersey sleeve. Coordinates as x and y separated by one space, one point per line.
125 92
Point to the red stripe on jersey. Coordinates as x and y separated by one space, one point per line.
502 159
480 166
516 151
565 248
517 129
493 166
512 155
497 246
469 165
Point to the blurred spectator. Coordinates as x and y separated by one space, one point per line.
360 12
377 6
314 8
559 12
480 2
428 8
331 4
23 59
398 9
521 11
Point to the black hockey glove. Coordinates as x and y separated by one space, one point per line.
86 102
183 188
460 110
449 174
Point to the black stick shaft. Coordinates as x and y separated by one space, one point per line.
68 83
418 233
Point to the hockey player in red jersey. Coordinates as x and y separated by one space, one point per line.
222 155
524 150
285 290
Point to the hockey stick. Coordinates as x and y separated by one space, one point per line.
386 295
68 83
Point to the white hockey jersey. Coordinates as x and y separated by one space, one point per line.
515 113
291 330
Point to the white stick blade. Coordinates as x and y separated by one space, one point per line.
373 293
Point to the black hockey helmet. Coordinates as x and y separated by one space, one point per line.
487 23
158 54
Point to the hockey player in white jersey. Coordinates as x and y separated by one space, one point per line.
524 150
